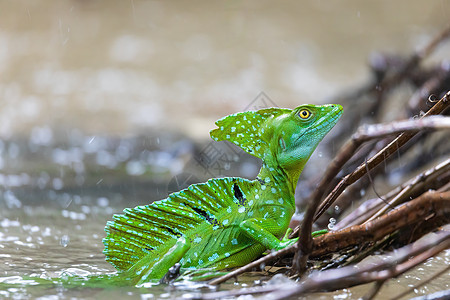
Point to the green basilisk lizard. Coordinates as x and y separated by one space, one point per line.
225 222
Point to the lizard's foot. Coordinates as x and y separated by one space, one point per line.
286 241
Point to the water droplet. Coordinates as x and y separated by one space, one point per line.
41 136
135 168
337 209
11 200
64 240
57 183
102 202
332 223
320 154
362 192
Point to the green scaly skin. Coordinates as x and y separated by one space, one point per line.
225 222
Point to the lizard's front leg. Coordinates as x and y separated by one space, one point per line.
261 231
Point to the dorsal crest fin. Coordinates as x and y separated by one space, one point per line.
245 129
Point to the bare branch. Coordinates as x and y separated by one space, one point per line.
412 186
394 264
406 190
305 240
418 210
430 203
387 151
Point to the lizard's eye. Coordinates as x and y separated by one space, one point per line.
304 114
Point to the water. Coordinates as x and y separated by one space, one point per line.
47 233
105 104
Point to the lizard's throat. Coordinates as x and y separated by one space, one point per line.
285 179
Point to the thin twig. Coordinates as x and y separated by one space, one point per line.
395 263
363 213
350 276
416 210
387 151
405 191
413 212
305 240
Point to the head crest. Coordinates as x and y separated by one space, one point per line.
245 129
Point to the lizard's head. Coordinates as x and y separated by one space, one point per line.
292 137
281 137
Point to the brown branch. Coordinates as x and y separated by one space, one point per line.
430 203
305 240
416 211
406 191
438 80
398 262
365 134
433 85
412 186
387 151
350 276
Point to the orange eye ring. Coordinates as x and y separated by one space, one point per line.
304 114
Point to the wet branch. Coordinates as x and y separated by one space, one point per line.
407 190
424 208
397 263
347 151
382 155
418 206
429 204
366 133
416 185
